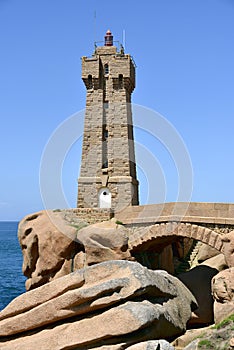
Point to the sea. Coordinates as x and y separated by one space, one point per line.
12 280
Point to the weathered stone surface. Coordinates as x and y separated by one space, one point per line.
104 241
47 240
228 248
182 341
198 281
116 322
98 305
206 252
152 345
217 262
193 345
223 293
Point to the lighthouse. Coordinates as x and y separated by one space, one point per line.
108 176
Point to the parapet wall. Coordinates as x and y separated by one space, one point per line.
194 212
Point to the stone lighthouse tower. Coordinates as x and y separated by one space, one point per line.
108 170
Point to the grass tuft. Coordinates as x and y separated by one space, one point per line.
225 322
204 342
119 222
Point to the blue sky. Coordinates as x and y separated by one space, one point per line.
184 54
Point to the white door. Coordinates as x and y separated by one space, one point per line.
104 197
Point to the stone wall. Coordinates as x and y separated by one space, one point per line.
93 215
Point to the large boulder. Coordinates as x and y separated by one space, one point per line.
105 304
48 243
223 293
104 241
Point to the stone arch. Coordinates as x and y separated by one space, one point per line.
165 230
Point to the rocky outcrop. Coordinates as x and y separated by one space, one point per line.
48 243
55 243
223 293
107 304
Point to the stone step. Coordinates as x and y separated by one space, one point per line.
186 264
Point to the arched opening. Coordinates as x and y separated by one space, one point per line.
104 198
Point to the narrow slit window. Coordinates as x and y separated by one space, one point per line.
90 81
105 134
120 81
106 69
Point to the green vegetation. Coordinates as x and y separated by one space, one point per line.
218 336
57 210
225 322
119 222
204 342
80 225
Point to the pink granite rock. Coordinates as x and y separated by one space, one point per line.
48 245
223 293
98 305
